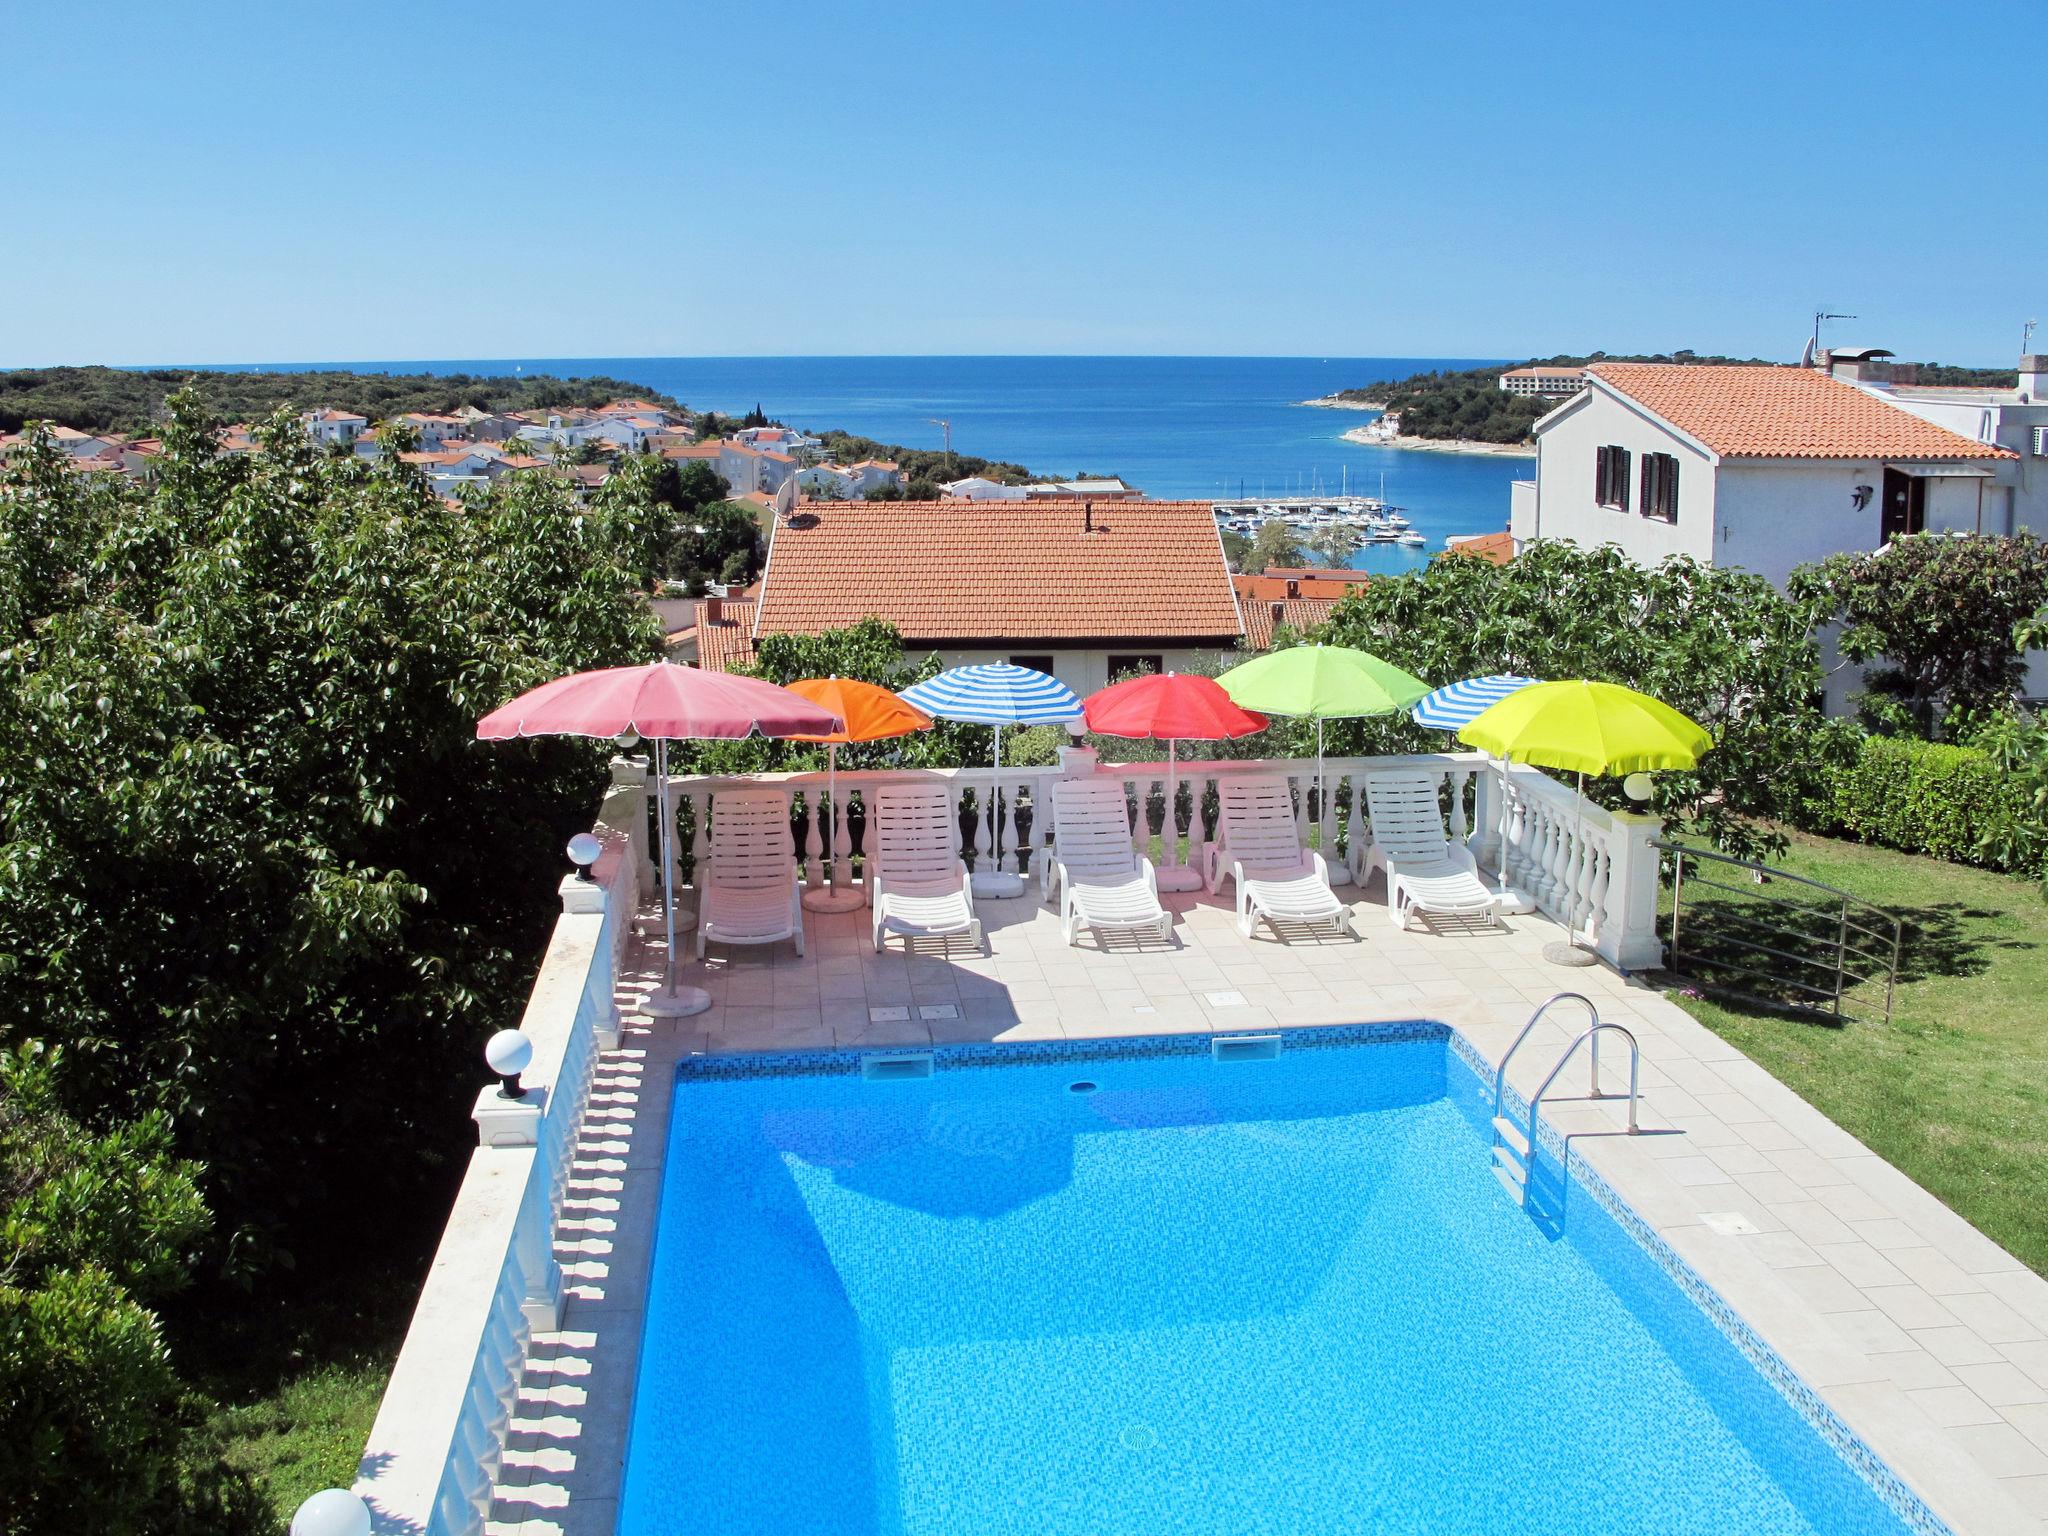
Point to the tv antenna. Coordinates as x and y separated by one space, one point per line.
1820 315
2027 337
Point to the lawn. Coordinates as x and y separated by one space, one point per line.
1954 1091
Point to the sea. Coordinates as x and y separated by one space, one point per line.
1197 427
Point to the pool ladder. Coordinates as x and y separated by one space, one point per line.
1514 1145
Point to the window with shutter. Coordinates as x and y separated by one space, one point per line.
1610 477
1659 497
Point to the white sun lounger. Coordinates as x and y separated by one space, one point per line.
1426 871
747 890
917 881
1098 879
1258 847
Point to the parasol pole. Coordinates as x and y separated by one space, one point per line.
1569 952
672 1001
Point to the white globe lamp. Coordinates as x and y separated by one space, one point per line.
332 1512
509 1053
584 849
1638 787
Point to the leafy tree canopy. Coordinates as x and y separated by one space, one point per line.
1723 646
1943 620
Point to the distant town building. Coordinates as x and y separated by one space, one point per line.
976 488
332 426
1547 379
1092 490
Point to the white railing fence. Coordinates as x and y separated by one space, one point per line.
1593 869
440 1435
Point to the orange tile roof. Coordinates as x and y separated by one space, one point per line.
1012 570
1273 585
728 640
1299 614
1768 411
1498 548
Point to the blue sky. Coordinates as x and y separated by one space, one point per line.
207 183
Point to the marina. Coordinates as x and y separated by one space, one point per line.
1370 517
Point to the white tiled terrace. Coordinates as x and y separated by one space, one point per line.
1929 1340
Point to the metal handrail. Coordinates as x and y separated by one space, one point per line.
1500 1072
1635 1064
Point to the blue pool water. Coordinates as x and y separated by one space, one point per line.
1280 1296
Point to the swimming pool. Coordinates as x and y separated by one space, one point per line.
1125 1288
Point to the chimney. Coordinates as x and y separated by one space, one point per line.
1087 517
2034 377
714 610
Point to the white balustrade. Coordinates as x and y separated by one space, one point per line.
439 1439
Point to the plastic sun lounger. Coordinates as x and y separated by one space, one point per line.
917 881
1258 847
747 892
1426 871
1099 880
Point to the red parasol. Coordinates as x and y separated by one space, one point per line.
1171 707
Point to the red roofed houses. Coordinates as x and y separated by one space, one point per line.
1081 590
1754 466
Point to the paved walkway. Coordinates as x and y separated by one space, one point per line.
1926 1338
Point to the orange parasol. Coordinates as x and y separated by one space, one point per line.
870 714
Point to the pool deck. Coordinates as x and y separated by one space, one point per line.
1926 1338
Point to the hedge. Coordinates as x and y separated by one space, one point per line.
1949 802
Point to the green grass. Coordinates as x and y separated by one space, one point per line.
1954 1091
306 1435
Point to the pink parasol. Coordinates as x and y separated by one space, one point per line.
662 702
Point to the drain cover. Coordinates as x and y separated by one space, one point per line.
1139 1437
1084 1086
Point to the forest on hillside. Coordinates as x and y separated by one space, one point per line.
1469 404
100 399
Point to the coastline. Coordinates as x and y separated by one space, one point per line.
1333 403
1441 444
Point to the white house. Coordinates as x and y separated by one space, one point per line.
976 488
1755 466
826 482
2015 497
747 468
433 428
1111 489
332 426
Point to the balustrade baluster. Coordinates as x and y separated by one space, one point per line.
1297 785
970 845
814 838
1590 914
1011 842
842 842
1198 842
1458 826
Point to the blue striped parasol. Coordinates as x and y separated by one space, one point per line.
995 693
1458 704
998 694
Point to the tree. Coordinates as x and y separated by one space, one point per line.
1274 544
1335 545
1724 646
95 1225
266 852
1942 622
887 490
922 488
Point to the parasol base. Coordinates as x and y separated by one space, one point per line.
1179 877
652 925
996 884
1561 952
678 1003
1514 903
1340 874
833 898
